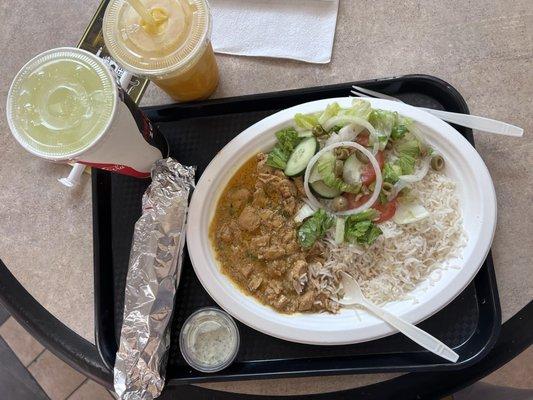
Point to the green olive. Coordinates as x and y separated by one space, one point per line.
437 162
387 188
339 165
339 203
342 153
318 130
361 157
404 192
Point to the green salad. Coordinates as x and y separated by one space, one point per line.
357 165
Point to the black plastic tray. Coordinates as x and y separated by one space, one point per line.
196 132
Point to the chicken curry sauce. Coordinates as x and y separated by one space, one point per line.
254 237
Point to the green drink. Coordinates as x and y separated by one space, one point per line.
60 103
65 105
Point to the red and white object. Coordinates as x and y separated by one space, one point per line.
128 143
125 147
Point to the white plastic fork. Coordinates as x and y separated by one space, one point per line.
353 295
467 120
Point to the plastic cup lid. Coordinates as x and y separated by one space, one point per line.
173 45
198 336
51 103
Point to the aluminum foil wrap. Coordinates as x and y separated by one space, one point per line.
153 276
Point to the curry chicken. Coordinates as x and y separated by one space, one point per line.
254 236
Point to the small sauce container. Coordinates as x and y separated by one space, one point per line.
209 340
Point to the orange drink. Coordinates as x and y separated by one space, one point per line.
172 49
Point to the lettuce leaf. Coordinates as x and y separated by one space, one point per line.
339 230
389 125
383 121
347 133
326 169
409 212
407 164
330 111
371 235
360 229
409 147
355 231
288 139
401 127
359 108
277 158
314 228
307 122
408 151
337 118
398 131
391 173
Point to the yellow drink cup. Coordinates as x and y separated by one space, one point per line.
175 53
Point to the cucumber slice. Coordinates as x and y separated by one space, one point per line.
351 172
323 190
300 157
314 175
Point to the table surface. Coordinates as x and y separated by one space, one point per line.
484 49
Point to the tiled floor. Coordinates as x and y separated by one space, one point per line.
23 345
28 371
4 315
15 381
57 379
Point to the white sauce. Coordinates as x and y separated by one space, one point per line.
209 340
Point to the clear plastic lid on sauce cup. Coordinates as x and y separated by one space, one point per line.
173 47
209 340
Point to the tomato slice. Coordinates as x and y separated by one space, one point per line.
386 210
368 175
363 138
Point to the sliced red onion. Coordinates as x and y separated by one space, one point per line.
377 189
347 133
406 180
343 119
304 212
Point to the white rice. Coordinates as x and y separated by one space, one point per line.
404 255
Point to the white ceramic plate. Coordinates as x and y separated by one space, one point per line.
478 204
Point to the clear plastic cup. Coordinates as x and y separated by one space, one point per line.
176 54
209 340
64 105
60 103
